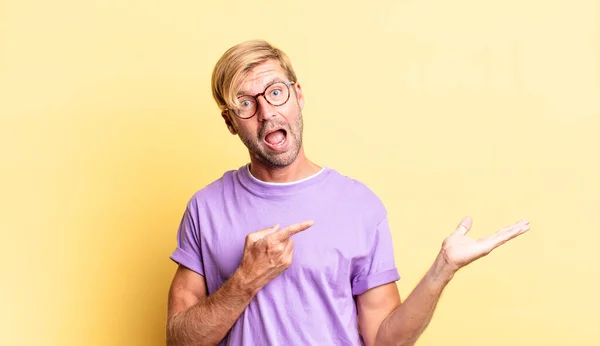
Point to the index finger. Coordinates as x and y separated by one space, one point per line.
289 231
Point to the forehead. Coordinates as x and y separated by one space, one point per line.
260 76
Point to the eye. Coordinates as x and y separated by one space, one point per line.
246 103
276 93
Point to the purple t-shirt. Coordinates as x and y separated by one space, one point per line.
346 252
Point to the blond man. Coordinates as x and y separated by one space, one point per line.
283 251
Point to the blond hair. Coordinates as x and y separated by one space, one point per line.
236 63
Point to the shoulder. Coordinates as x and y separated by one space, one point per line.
356 194
353 187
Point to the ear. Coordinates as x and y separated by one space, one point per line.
299 95
225 115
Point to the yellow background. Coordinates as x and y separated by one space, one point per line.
444 108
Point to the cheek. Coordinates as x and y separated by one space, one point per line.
292 112
246 130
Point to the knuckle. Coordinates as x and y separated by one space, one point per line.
251 238
275 248
271 244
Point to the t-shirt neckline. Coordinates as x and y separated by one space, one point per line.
258 186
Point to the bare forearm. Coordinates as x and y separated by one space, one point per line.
207 322
407 322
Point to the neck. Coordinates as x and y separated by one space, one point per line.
301 168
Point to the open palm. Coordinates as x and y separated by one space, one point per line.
459 249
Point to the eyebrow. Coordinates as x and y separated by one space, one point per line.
273 81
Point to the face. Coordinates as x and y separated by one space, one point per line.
274 134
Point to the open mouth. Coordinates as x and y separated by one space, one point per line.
276 140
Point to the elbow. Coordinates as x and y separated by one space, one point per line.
402 341
398 339
395 337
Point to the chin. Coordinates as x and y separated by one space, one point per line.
282 160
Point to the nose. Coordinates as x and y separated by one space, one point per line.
265 110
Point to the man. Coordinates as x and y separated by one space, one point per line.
285 252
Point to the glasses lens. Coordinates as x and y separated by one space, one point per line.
247 106
277 94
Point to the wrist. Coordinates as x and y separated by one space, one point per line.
441 271
244 283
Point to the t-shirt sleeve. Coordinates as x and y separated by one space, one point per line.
379 267
188 252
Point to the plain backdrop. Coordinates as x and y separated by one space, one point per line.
443 108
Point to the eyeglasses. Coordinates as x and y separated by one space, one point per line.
276 94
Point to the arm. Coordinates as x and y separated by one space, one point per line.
407 321
195 318
374 306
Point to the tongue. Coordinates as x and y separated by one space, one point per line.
275 137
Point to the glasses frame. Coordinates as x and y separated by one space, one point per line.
287 84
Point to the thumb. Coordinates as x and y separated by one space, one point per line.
264 232
464 226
